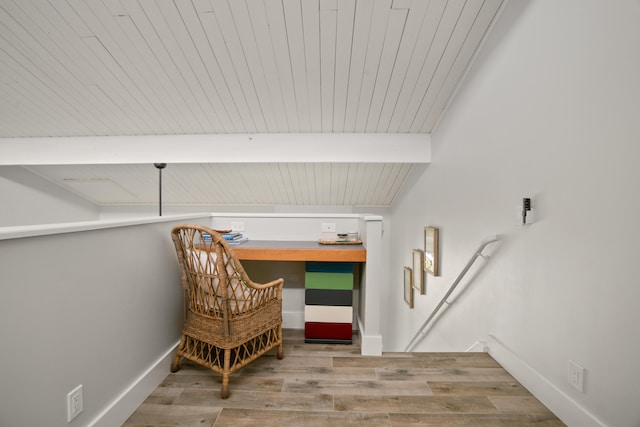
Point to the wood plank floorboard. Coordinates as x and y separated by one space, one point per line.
332 385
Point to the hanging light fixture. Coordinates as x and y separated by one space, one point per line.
160 166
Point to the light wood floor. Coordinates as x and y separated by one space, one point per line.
332 385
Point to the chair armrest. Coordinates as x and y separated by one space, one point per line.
272 284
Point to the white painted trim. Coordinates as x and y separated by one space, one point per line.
121 408
479 346
363 217
561 404
373 284
219 148
20 231
370 345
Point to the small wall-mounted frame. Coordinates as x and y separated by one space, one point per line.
418 271
408 286
431 263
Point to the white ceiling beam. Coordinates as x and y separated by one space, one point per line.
219 148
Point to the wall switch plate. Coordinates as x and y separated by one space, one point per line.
328 227
576 376
74 403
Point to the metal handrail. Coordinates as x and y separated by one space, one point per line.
477 253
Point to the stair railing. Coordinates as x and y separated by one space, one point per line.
443 301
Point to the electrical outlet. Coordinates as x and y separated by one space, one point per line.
328 227
237 226
74 403
576 376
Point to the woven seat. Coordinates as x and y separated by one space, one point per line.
230 321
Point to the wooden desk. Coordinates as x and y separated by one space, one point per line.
275 250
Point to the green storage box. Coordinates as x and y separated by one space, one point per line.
316 280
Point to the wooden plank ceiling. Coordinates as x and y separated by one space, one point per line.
174 67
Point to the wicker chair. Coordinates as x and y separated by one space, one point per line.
230 321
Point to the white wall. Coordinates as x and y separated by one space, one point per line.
551 112
30 199
92 307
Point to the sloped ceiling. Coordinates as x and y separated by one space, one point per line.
77 68
334 184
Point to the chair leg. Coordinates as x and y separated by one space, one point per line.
175 365
280 351
224 393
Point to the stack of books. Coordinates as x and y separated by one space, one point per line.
234 237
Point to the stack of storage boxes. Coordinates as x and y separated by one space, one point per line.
328 311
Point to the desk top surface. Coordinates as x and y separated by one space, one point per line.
279 250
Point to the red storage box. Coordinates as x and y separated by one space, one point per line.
320 330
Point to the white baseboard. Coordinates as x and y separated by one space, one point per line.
479 346
561 404
121 408
293 319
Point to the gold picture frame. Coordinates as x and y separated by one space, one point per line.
431 263
418 271
408 286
